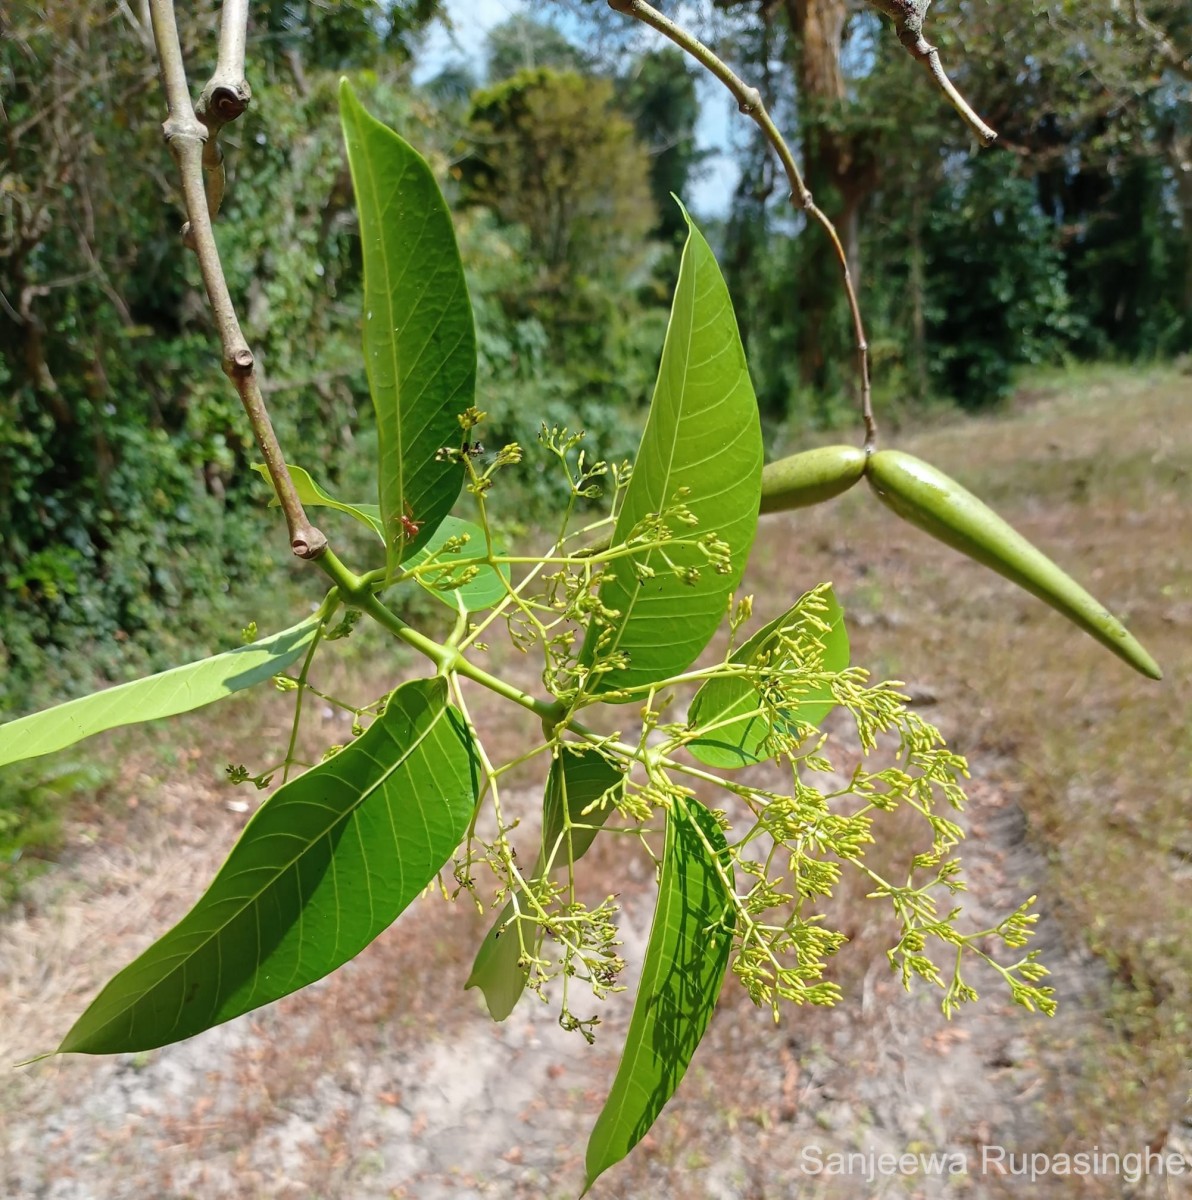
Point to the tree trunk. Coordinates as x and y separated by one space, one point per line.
839 170
1181 157
918 286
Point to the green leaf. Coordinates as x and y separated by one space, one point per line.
312 495
325 865
487 588
178 690
703 436
578 779
483 591
732 704
686 959
419 337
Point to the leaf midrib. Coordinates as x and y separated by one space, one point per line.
635 588
653 967
396 424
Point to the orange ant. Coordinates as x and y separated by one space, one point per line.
410 527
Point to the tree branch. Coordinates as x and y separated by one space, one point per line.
225 97
186 136
1163 45
907 16
749 101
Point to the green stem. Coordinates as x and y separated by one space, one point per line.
310 654
357 592
186 136
749 101
459 630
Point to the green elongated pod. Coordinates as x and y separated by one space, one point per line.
810 478
926 497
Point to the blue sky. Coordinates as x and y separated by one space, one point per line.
472 19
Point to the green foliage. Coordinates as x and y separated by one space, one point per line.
699 466
659 95
454 567
449 564
339 33
178 690
552 153
689 947
976 259
419 343
96 578
1128 265
133 537
326 864
523 43
128 522
34 801
740 728
314 496
582 791
970 264
585 361
995 284
640 573
778 283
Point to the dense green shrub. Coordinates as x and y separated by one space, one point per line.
995 289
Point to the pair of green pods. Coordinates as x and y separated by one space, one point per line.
926 497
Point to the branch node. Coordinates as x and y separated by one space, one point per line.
224 102
923 51
309 543
240 363
750 102
183 127
915 42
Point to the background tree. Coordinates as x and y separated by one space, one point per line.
116 462
523 44
554 158
554 154
125 494
1105 93
658 93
